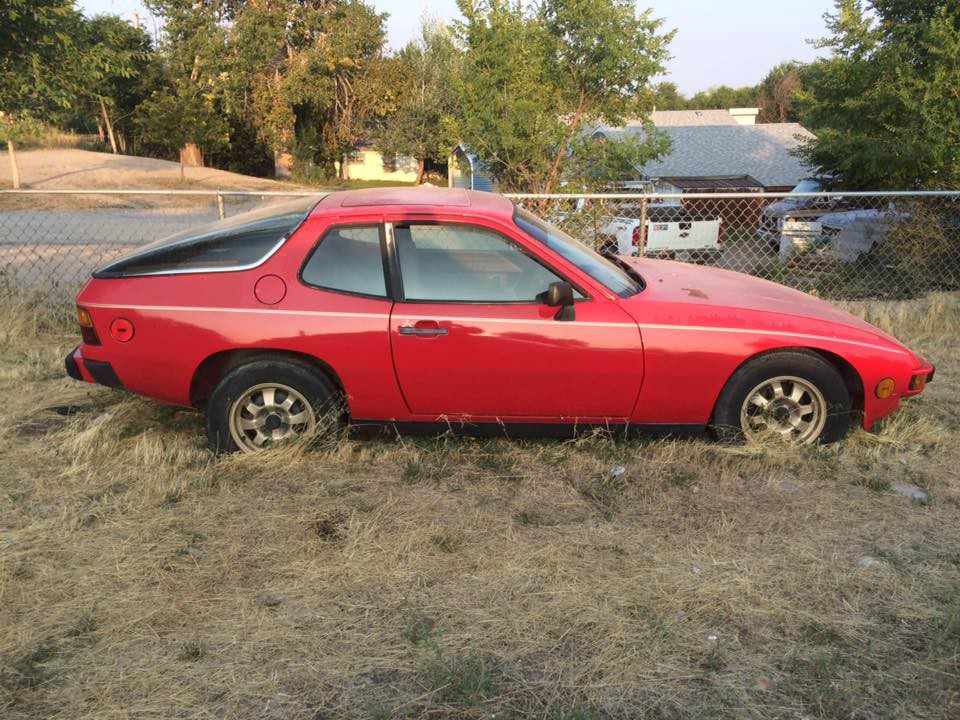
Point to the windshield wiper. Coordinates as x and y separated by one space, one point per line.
627 268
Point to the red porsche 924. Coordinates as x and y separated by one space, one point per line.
429 308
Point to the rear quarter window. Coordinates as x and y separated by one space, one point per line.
231 244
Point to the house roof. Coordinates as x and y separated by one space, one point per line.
743 183
760 151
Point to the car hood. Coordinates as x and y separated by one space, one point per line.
708 291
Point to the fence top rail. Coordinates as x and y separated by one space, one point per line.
732 196
512 196
202 193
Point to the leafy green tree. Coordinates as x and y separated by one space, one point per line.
420 120
38 62
724 97
120 73
184 115
777 94
534 81
297 72
36 54
885 105
667 97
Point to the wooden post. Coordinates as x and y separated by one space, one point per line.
14 170
106 120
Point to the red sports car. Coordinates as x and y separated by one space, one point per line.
427 308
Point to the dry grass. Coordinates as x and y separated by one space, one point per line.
142 577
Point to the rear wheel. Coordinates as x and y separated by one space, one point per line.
795 395
265 402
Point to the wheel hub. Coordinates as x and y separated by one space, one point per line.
790 406
269 413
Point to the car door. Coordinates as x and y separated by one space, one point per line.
470 336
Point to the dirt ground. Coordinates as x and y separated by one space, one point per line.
71 168
64 168
143 577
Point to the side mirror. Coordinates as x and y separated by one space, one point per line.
560 295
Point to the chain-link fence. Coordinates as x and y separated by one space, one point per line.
837 245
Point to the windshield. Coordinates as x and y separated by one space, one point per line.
589 261
235 243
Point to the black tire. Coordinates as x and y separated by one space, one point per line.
322 395
808 366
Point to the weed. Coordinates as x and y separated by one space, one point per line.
30 669
173 496
192 651
331 526
447 541
467 680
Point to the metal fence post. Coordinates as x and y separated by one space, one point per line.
641 246
220 211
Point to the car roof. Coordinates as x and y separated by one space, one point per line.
420 198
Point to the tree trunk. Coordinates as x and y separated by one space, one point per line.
106 121
103 138
181 168
421 163
14 170
282 163
122 141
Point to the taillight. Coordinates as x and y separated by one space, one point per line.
87 331
637 236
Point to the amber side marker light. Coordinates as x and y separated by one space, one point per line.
885 388
87 331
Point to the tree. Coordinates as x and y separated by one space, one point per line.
184 115
777 93
302 74
38 62
534 81
723 97
420 121
119 75
885 105
667 97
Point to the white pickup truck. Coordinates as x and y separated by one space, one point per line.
670 231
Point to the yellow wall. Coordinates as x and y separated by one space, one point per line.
370 167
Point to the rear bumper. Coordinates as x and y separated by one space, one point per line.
73 367
92 371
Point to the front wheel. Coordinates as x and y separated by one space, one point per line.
265 402
795 395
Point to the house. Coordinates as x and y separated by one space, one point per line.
711 151
720 150
366 163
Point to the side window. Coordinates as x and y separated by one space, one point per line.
463 263
348 259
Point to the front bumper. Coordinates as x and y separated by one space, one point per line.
92 371
925 371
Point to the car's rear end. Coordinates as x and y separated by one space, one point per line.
133 313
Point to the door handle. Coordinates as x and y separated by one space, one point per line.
423 328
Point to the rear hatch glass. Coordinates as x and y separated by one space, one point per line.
236 243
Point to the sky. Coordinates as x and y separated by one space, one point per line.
733 42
